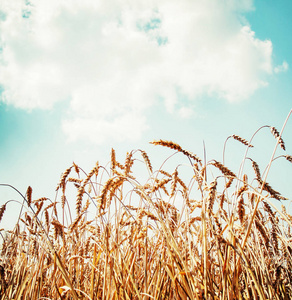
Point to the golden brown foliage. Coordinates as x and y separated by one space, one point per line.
174 237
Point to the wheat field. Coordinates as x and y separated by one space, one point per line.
108 235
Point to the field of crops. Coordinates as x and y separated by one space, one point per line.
109 235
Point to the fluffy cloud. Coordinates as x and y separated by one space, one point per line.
281 68
115 59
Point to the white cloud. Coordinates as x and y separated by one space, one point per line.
281 68
185 112
114 59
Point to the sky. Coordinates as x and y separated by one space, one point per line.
78 78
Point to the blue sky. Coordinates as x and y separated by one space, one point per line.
80 77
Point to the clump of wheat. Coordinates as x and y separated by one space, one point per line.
170 237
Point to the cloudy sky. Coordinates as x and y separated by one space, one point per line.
80 77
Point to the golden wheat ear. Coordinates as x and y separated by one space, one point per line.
256 169
176 147
2 210
28 195
241 140
276 134
224 170
63 179
147 160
